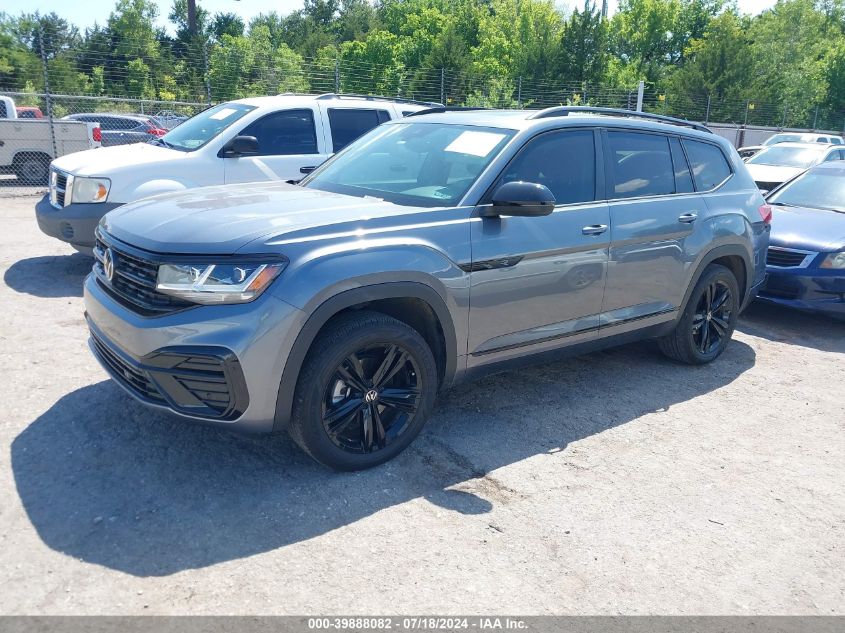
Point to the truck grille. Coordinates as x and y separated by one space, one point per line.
786 257
133 282
58 188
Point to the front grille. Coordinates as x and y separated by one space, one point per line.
58 186
133 282
129 375
785 257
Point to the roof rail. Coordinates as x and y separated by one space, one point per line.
335 95
439 109
565 110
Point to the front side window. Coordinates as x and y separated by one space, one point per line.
284 133
641 164
419 164
709 166
347 124
203 127
565 162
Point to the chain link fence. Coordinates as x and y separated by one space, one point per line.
58 97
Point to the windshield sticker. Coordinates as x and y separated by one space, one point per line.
222 114
475 143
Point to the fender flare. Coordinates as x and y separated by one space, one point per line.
331 306
720 251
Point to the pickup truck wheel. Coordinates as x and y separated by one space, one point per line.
364 392
708 321
32 168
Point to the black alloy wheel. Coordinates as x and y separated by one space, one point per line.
371 398
711 323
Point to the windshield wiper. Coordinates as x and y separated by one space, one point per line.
162 142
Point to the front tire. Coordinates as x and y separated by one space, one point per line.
708 321
364 392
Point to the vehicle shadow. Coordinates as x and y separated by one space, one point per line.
107 481
50 275
786 325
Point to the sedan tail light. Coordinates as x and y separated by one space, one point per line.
766 213
97 135
156 131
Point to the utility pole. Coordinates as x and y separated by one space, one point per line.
192 17
640 90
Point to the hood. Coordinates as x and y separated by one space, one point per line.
222 220
772 173
104 161
807 229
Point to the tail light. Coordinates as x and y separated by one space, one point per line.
97 135
156 131
766 213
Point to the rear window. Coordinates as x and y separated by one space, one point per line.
347 124
641 164
710 168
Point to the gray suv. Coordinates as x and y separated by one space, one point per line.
432 250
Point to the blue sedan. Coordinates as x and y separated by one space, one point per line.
806 257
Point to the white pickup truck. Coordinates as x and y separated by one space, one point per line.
257 139
26 145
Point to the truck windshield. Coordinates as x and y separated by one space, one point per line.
419 164
200 129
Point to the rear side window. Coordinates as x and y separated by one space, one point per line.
641 164
3 112
347 124
284 133
709 166
563 161
683 179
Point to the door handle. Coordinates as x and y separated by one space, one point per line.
307 170
688 218
594 229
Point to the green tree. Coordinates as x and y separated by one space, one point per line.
582 56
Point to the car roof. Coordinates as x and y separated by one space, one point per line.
527 119
307 99
122 115
800 145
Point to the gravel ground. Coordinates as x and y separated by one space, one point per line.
616 482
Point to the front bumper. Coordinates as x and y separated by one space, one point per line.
814 289
74 223
219 364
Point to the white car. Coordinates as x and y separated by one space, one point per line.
257 139
776 164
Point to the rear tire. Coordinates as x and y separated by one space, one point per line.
708 321
364 392
32 168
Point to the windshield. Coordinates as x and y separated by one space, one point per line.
200 129
782 138
819 189
421 164
788 156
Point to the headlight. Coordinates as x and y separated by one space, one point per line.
218 283
88 190
834 260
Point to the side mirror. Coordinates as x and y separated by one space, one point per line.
525 199
240 146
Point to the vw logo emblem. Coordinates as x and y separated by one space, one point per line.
371 396
108 264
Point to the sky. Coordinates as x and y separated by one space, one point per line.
84 14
